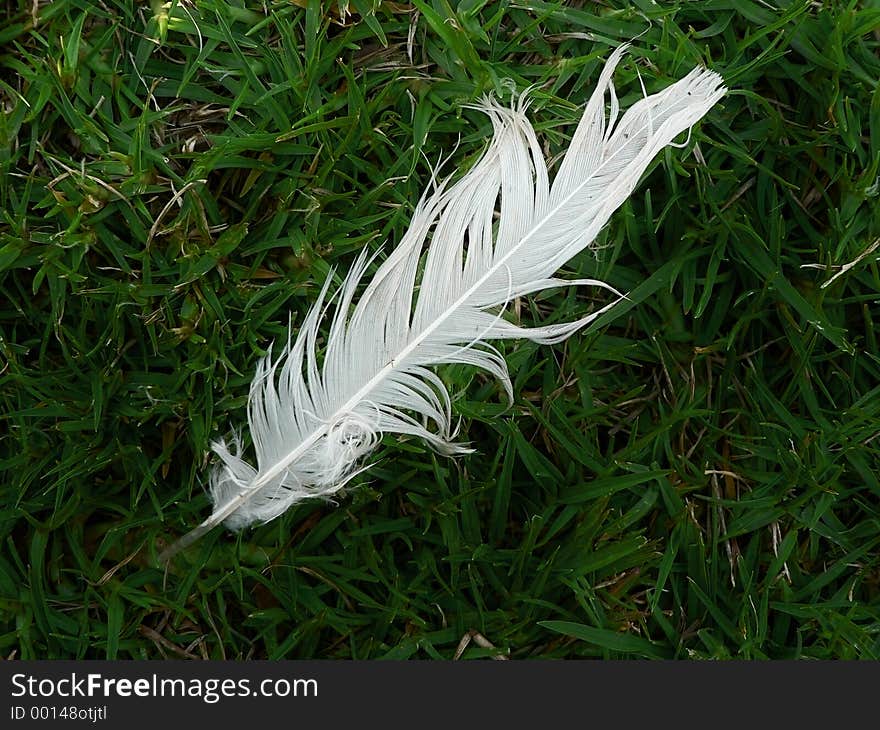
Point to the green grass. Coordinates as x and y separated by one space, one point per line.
696 475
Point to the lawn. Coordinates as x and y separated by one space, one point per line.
695 475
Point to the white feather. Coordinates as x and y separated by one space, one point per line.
312 422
